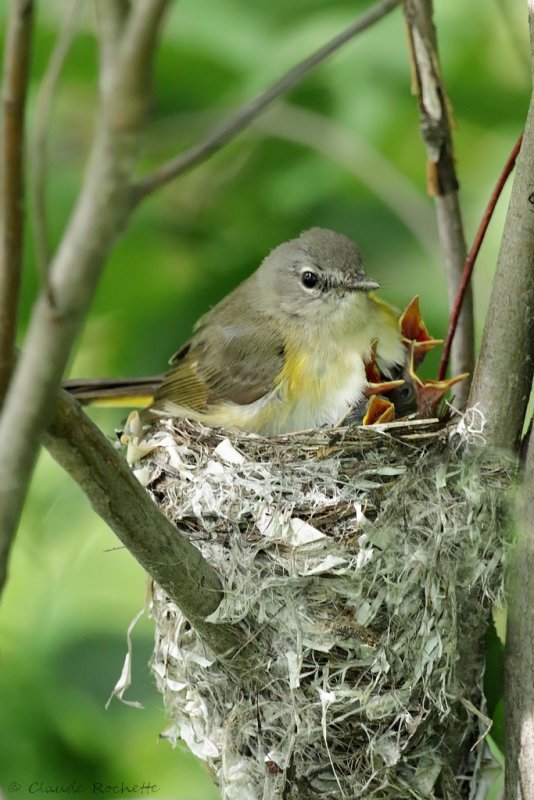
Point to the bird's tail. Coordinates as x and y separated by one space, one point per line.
115 392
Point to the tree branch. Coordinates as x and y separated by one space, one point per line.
519 658
38 140
100 214
141 30
16 69
166 554
505 366
442 181
241 118
111 16
502 384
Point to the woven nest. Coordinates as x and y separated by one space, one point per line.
366 562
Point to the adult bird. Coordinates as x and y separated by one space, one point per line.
285 351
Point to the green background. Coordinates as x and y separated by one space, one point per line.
342 151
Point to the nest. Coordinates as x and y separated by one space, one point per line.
365 561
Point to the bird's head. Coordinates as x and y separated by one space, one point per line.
316 278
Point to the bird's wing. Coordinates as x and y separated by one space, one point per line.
223 363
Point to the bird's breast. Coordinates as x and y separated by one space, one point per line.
322 378
317 386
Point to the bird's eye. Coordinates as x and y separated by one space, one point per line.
309 279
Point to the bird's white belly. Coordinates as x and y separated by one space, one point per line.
334 382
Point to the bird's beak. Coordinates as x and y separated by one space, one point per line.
361 283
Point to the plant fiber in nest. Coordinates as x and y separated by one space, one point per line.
363 563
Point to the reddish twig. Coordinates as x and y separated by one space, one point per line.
472 257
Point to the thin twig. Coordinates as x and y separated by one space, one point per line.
100 214
442 180
37 155
368 165
472 257
14 88
166 554
243 116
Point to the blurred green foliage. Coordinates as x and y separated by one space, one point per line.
73 590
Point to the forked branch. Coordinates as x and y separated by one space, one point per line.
100 214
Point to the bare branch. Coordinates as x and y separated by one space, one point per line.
38 140
140 33
505 366
110 16
441 177
100 214
241 118
119 499
127 73
502 384
519 691
16 68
